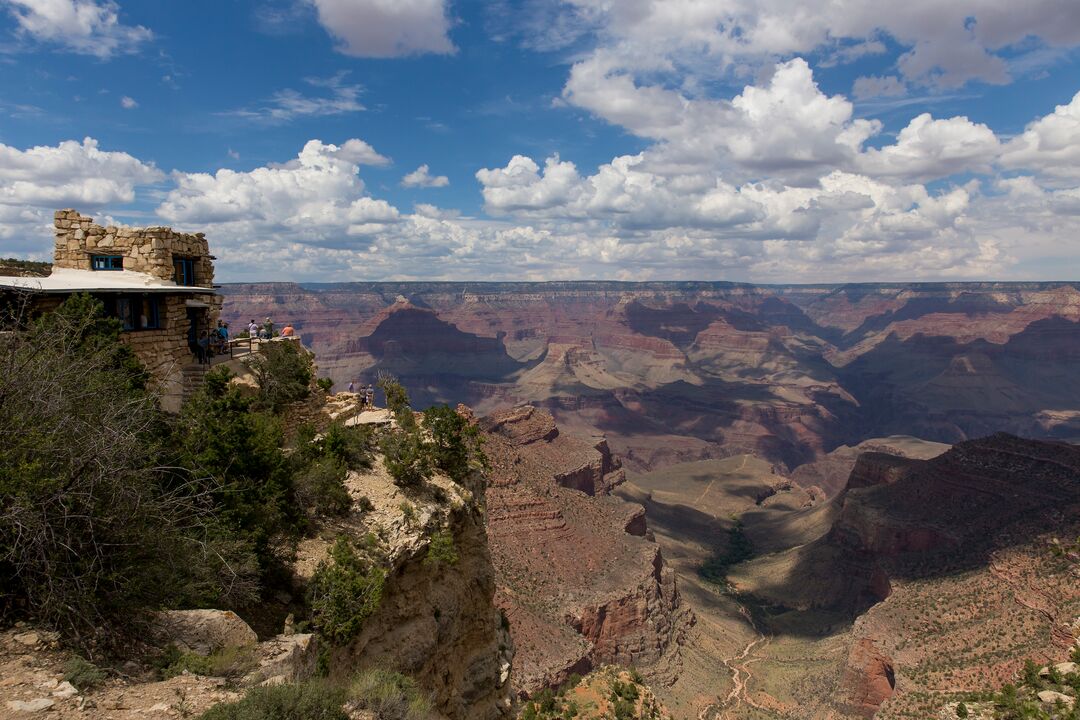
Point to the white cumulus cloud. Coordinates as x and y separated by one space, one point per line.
1050 145
421 177
87 27
387 28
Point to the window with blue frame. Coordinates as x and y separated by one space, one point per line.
137 312
107 262
184 270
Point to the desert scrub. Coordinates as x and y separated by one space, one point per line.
231 662
389 695
737 549
283 371
320 488
312 700
441 549
344 592
83 674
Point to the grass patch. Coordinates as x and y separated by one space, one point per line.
313 700
229 662
83 674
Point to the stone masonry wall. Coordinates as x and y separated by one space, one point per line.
147 250
163 351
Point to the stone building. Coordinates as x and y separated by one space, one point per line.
157 281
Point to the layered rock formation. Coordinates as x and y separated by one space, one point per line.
579 583
672 372
951 568
436 621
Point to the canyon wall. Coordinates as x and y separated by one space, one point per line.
672 372
580 583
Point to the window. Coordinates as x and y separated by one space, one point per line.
184 270
137 312
106 262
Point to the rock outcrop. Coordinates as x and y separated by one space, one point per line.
436 621
868 679
578 579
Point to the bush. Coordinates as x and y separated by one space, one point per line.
352 445
283 371
441 549
325 384
320 487
312 700
389 695
237 452
344 592
83 674
406 456
456 443
229 662
96 524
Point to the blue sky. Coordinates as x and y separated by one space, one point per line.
555 139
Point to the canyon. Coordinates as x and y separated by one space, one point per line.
864 441
674 372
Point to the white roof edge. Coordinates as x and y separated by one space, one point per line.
66 280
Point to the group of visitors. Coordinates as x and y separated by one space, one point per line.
212 342
367 394
266 330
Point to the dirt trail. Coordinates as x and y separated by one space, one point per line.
699 498
739 665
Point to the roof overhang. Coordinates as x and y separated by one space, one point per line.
64 281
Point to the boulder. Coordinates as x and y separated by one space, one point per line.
1052 697
285 659
30 706
203 631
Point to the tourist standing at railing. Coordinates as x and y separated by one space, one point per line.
352 387
267 329
253 330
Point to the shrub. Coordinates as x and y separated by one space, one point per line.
389 695
397 399
283 371
325 384
237 452
83 674
961 710
406 456
312 700
229 662
344 592
320 487
352 445
95 523
441 549
455 442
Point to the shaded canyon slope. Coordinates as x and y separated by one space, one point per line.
936 576
672 372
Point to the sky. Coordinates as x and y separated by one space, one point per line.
749 140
